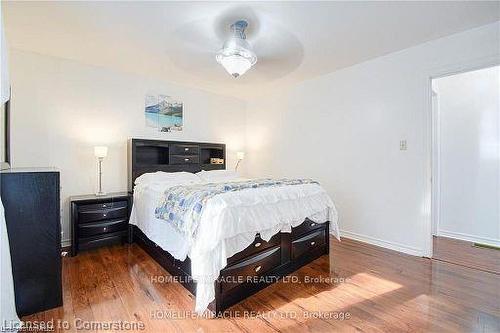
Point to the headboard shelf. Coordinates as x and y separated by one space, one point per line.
206 153
171 156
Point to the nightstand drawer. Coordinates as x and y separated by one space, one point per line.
186 159
103 205
107 239
87 215
103 227
184 150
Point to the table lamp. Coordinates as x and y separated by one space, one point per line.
239 156
100 152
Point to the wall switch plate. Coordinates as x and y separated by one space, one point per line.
403 145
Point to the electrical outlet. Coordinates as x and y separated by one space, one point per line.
403 145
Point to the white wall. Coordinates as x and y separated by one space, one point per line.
344 129
469 146
61 109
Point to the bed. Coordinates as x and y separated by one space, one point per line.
248 234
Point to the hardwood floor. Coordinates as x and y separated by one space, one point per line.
466 254
359 288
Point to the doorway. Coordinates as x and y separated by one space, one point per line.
466 169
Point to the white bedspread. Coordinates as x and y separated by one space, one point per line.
229 223
146 199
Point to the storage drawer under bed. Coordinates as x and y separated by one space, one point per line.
305 227
257 246
246 270
308 243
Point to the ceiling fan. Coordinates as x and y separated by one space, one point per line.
237 38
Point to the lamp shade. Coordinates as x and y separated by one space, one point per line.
100 151
240 155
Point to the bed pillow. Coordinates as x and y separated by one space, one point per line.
218 175
160 176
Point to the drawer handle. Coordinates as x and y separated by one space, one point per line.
312 243
186 149
104 214
258 244
258 268
105 228
104 206
313 224
186 160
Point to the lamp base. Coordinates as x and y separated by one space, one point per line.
100 194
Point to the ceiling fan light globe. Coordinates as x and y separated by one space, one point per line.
236 65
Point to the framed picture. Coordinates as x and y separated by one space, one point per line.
164 113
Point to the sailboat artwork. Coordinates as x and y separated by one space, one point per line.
164 113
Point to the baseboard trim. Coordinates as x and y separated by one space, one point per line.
469 238
383 243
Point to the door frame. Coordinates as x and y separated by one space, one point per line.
432 141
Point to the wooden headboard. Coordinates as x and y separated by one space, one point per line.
171 156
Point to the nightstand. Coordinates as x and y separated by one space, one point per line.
99 220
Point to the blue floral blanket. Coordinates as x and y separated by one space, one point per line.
182 205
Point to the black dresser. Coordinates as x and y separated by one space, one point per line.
99 220
32 212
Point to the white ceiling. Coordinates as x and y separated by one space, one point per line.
177 41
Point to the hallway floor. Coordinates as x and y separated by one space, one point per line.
466 254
